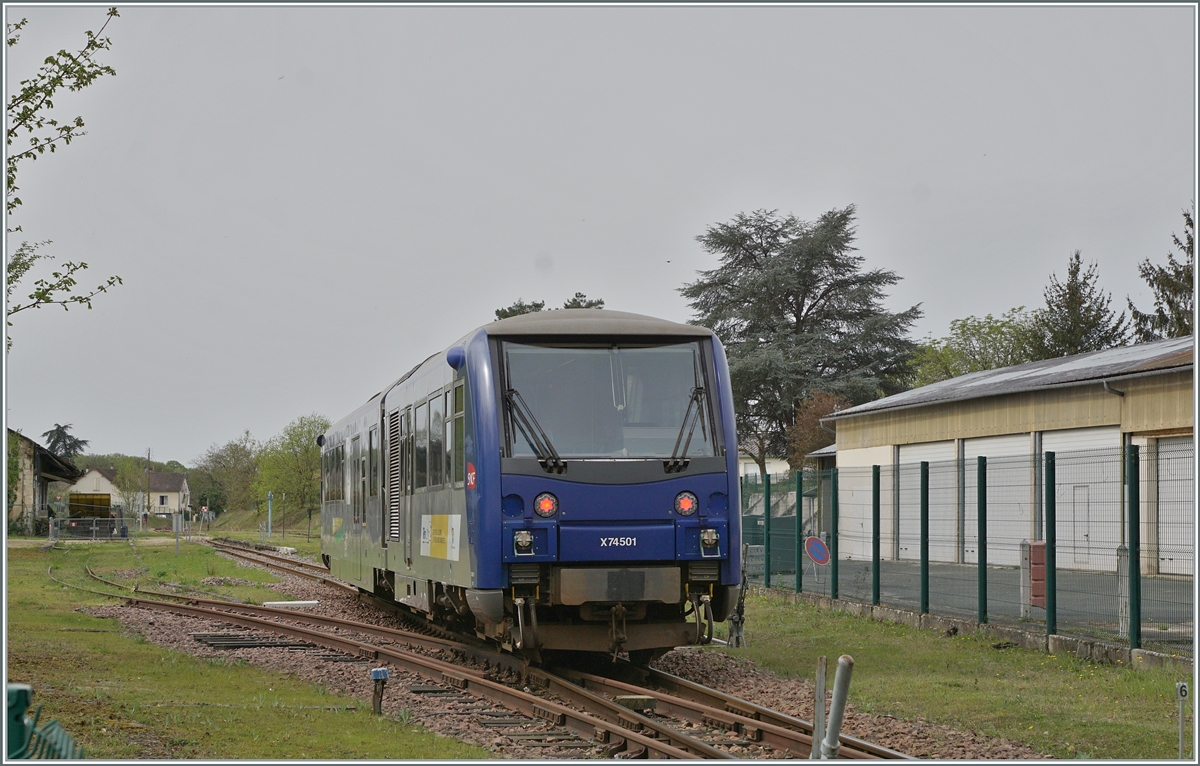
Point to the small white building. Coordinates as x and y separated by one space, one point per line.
164 493
747 466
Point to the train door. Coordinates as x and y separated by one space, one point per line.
376 534
408 485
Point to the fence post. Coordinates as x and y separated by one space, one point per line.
1051 537
924 537
1132 481
874 535
981 515
833 537
799 531
766 530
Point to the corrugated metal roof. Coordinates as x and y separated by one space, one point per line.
1126 361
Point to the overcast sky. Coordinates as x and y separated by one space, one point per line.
304 202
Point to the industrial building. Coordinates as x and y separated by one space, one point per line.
1085 408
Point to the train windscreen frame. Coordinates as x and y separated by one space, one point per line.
627 401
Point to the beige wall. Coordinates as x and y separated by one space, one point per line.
1157 404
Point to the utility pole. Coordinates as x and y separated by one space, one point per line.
146 495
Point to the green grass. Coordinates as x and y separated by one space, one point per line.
124 698
1057 704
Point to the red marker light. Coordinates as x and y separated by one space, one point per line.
545 505
686 503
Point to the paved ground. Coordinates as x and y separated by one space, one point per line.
1087 601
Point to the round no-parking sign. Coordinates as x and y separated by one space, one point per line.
816 550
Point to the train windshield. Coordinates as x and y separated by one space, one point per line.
612 402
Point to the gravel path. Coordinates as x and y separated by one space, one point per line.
460 717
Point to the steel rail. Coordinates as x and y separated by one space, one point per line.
452 675
779 723
246 555
797 743
685 689
476 652
566 686
283 559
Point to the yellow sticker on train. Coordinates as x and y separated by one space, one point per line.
440 536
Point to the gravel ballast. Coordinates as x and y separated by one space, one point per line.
460 716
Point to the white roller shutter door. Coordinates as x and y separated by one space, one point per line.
943 500
1088 496
1176 505
1009 496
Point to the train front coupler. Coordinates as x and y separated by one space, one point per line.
701 606
617 634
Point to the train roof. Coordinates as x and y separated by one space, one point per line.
566 322
591 322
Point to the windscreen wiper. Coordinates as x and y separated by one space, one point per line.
527 424
678 462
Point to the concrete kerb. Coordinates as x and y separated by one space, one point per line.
1084 648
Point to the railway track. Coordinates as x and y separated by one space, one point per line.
675 717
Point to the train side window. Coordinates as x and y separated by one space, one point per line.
436 430
373 459
421 427
458 457
351 491
341 469
408 451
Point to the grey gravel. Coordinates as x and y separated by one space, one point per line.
459 716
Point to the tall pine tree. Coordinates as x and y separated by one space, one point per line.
797 314
1173 288
1077 317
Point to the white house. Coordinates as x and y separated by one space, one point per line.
166 493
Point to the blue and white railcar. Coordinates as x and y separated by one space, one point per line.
563 480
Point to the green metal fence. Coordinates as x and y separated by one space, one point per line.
26 739
1093 544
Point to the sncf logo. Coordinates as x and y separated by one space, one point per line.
618 542
470 476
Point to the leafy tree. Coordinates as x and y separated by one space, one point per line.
13 475
975 344
133 485
581 301
806 434
230 469
290 464
1077 317
28 113
1174 296
114 459
797 314
61 443
520 307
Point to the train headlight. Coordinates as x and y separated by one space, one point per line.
686 503
523 541
709 538
545 505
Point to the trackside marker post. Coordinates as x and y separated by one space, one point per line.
380 677
1181 694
